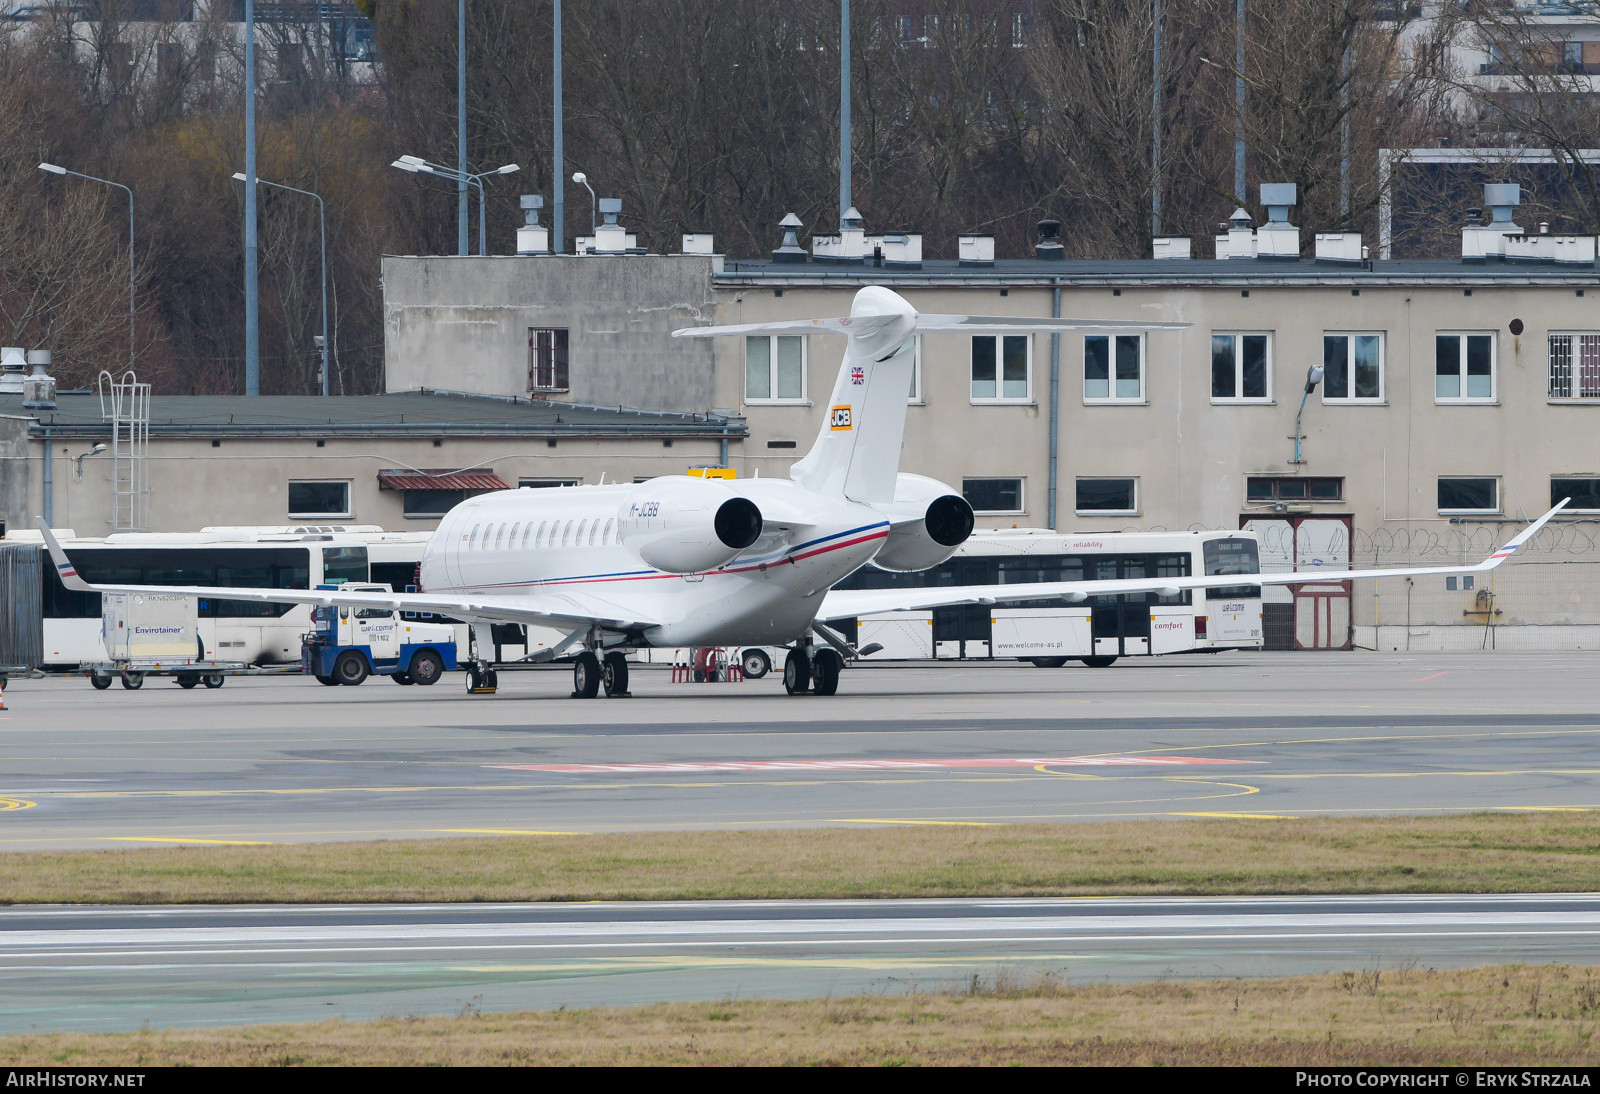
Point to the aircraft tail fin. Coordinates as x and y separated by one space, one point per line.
857 452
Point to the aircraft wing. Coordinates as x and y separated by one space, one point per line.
849 603
561 609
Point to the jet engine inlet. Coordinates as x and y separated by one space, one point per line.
949 520
738 523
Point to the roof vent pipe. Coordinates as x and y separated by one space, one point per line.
790 250
1502 198
532 238
14 360
39 388
1049 246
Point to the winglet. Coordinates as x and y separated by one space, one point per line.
1522 537
64 567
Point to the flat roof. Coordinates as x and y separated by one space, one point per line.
402 414
1161 273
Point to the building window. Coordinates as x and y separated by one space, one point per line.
993 495
1267 488
431 503
319 499
540 484
774 368
1463 495
1113 368
1000 367
1584 490
1575 366
1241 368
1353 366
1107 497
1463 368
547 359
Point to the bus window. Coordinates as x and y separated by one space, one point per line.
1171 566
343 564
1232 556
220 567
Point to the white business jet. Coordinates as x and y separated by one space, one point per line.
682 561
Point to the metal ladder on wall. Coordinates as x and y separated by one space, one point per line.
125 404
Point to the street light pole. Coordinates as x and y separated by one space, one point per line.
322 220
132 281
560 228
252 294
415 164
845 201
583 180
461 126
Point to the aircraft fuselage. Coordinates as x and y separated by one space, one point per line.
566 540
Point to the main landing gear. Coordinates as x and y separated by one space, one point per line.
810 671
590 674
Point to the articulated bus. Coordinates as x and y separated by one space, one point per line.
297 557
1049 633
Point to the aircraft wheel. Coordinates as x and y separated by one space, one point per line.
586 676
1047 662
133 681
351 669
427 669
491 679
100 681
755 663
825 669
614 674
402 678
327 681
187 681
1098 662
213 680
796 672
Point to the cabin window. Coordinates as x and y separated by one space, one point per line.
527 534
566 534
607 537
472 540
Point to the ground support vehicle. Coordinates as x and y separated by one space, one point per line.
350 644
188 672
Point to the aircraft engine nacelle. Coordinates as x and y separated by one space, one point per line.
945 525
686 525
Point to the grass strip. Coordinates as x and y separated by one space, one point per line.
1476 853
1506 1015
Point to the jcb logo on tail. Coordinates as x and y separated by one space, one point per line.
840 418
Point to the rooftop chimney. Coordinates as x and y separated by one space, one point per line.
1487 242
849 247
39 387
975 250
1171 247
1049 246
532 238
611 238
14 361
790 250
1277 240
1240 241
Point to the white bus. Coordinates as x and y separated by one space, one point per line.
296 557
1049 633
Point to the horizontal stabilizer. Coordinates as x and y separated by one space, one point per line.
1022 324
931 324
